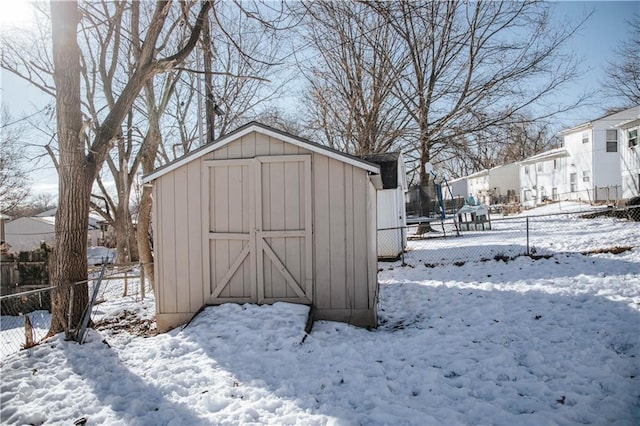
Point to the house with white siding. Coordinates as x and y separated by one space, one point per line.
29 233
504 183
594 165
478 186
629 148
495 185
543 177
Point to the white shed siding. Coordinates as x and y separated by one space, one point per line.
392 237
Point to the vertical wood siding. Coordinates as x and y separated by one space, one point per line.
342 272
343 217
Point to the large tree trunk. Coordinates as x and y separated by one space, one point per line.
78 168
74 191
149 151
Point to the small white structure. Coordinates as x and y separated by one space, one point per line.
630 157
392 216
474 218
28 233
261 216
543 177
494 185
594 167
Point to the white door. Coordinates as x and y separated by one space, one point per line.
259 243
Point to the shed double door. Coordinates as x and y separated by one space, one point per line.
259 240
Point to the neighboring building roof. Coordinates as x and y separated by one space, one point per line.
546 156
629 123
388 163
589 123
4 217
478 174
48 213
51 220
268 131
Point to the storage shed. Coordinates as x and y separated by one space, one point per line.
392 216
260 216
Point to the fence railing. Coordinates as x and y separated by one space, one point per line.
437 242
26 316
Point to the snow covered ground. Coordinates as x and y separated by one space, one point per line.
516 341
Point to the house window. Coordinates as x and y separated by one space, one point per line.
554 194
612 140
555 164
540 167
633 137
526 170
573 180
527 194
586 177
585 137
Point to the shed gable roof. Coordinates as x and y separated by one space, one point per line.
268 131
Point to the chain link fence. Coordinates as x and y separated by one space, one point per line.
452 241
26 316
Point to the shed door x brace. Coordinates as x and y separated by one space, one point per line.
258 248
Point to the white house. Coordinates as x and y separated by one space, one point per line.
543 177
28 233
391 210
495 185
594 167
504 183
478 186
630 157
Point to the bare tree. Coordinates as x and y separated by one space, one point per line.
623 74
496 146
474 66
14 188
351 75
79 165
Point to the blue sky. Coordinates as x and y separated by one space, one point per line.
594 43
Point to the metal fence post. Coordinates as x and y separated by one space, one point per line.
87 314
527 236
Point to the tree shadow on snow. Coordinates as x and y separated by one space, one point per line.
134 401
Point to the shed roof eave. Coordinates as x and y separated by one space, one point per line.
268 131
